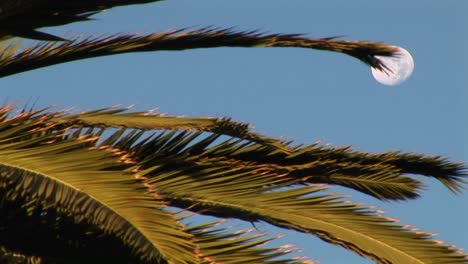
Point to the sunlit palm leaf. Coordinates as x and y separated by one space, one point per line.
144 121
232 178
306 210
89 185
379 175
217 245
348 166
451 174
381 180
50 53
192 151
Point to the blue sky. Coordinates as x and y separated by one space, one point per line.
297 94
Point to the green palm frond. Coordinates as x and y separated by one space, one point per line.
451 174
20 18
380 175
381 178
50 53
307 210
144 121
217 245
94 186
229 188
346 165
384 182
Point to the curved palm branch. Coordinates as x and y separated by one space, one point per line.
20 18
379 175
50 53
252 195
357 168
149 120
351 226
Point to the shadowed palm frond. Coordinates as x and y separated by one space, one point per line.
20 18
8 256
50 53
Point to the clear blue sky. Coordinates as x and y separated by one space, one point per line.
297 94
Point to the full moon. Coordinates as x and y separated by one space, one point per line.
401 66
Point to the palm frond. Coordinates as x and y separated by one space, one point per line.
219 245
451 174
50 53
233 177
307 210
379 175
344 164
250 193
194 151
94 186
383 181
145 121
21 18
8 256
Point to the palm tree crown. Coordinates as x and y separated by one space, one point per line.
112 185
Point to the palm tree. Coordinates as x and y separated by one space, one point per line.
111 185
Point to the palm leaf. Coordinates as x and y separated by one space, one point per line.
217 245
51 53
20 18
249 195
8 256
303 209
379 175
89 185
144 121
191 171
451 174
359 169
384 181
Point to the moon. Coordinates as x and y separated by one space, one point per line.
401 66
